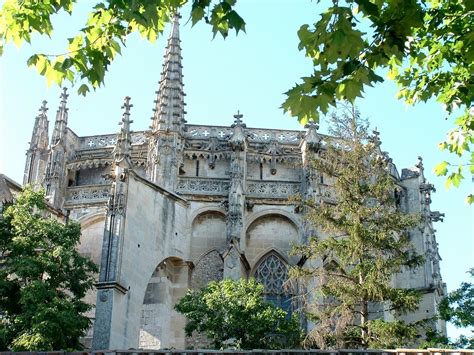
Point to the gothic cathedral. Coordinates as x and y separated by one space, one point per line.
180 205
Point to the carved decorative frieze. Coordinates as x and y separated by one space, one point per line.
87 194
203 186
277 189
109 140
255 135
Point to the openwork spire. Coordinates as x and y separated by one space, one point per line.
60 125
169 110
123 147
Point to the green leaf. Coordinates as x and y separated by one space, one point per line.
83 90
441 169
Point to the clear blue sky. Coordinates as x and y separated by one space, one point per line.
249 72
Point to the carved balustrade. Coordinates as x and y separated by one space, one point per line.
87 194
202 186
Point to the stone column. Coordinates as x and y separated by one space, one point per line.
236 201
110 290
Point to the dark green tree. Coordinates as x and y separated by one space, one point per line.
361 242
42 278
234 314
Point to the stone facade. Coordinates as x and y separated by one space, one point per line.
179 205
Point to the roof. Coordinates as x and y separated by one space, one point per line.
8 189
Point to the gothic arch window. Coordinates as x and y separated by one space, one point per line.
272 272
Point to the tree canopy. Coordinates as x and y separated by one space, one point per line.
234 314
360 242
43 279
425 46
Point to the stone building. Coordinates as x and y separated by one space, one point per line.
179 205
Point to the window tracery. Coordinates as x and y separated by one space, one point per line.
273 273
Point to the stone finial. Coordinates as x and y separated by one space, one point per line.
420 164
175 26
43 109
238 138
122 151
312 138
375 138
238 119
64 95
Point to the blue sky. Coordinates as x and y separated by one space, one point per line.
249 73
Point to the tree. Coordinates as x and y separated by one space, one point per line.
42 278
427 46
458 308
361 242
234 314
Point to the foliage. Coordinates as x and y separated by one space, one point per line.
234 314
458 308
427 47
42 279
361 241
105 33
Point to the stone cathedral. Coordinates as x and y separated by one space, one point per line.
176 206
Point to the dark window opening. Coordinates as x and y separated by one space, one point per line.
197 167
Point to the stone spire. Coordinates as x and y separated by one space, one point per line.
37 154
165 145
169 109
56 171
123 148
60 125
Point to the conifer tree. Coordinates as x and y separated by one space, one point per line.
361 242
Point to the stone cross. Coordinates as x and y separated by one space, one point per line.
43 109
238 117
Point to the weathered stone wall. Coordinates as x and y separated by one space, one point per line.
208 232
92 176
209 268
283 172
155 229
269 232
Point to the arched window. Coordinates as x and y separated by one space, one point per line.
273 273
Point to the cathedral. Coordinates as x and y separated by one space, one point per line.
179 205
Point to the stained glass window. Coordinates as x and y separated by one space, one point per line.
272 273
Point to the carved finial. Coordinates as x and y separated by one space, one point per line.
126 114
375 138
123 147
238 118
43 109
64 97
420 163
312 125
175 26
312 138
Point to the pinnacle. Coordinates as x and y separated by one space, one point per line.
170 93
